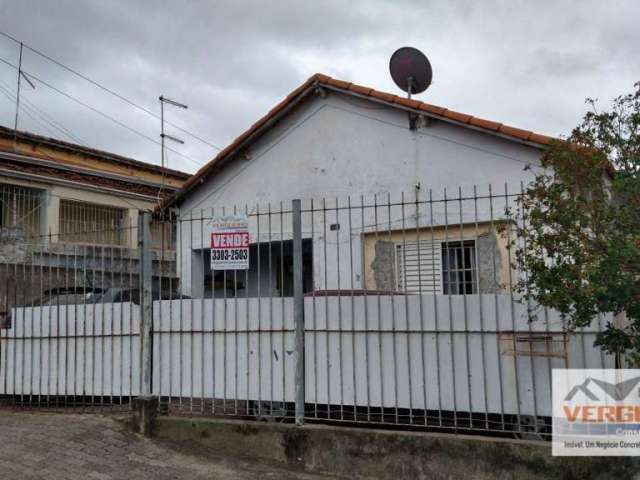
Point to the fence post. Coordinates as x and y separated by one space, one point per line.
146 320
298 310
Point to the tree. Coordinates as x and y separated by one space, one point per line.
578 227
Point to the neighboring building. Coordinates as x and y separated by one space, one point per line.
331 139
63 205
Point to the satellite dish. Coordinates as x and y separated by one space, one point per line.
411 70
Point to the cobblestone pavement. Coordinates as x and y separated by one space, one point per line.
94 447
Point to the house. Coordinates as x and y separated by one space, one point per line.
64 205
383 158
395 200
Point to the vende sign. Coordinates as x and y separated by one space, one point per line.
230 243
229 240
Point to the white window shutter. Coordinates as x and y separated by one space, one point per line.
419 267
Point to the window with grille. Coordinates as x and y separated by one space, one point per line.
459 271
92 224
21 210
437 267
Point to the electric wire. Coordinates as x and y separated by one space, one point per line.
110 91
12 100
42 114
99 112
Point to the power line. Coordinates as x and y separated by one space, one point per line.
12 100
99 112
40 113
108 90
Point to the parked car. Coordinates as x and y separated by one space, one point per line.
67 296
121 295
87 296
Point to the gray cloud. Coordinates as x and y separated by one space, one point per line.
530 64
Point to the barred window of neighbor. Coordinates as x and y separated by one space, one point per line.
21 210
92 224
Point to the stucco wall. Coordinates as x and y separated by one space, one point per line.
338 146
335 147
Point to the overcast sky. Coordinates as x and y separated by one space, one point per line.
529 64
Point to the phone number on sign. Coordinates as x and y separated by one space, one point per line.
230 254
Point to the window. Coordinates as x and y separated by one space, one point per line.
418 267
20 210
437 267
459 272
92 224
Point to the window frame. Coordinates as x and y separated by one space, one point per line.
440 246
459 244
81 237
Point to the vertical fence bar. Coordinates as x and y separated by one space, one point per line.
298 310
144 244
313 313
512 312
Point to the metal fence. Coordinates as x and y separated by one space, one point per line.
383 310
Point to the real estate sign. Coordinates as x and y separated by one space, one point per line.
596 412
230 243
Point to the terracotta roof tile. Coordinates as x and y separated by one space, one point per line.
321 79
432 108
359 89
339 83
457 116
515 132
482 123
539 138
387 97
411 103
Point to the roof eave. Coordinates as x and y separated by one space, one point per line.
434 116
221 160
512 134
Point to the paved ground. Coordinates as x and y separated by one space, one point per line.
92 447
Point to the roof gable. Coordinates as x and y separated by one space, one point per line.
300 93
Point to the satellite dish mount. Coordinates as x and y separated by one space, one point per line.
411 71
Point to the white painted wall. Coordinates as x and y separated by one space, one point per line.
338 146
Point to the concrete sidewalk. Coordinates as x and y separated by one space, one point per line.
73 446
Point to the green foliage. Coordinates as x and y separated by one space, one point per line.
578 225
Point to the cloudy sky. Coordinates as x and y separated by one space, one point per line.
529 64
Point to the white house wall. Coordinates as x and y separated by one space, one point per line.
339 146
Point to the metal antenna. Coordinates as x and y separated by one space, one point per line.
163 135
21 75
